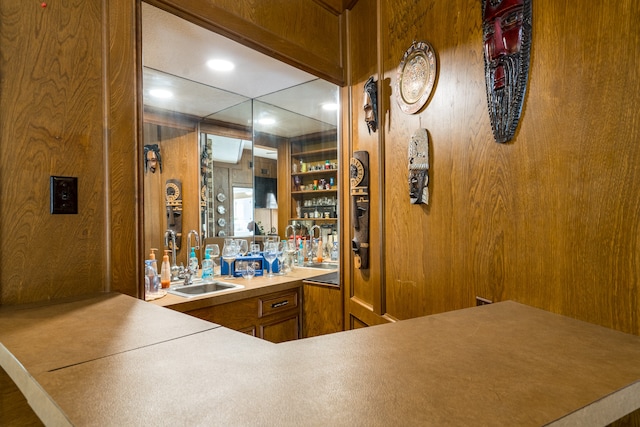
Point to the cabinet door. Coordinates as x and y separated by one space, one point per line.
281 328
322 310
238 315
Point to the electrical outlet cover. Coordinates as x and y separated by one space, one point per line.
64 195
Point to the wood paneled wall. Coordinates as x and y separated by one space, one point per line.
179 148
550 219
70 106
54 114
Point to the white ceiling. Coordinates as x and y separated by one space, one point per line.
175 53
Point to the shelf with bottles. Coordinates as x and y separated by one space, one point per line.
313 184
319 208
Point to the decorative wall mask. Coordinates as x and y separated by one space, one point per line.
419 167
173 198
359 183
152 158
506 27
371 105
416 77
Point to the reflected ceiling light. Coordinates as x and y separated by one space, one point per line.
220 65
266 121
161 93
330 106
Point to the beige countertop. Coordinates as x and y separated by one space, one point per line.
115 360
254 287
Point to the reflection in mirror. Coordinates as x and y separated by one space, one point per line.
254 150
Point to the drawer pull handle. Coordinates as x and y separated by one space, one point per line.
279 304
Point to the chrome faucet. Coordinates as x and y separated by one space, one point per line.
311 250
312 235
197 238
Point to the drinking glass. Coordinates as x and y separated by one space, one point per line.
270 254
280 254
243 247
250 271
255 249
291 253
229 255
214 252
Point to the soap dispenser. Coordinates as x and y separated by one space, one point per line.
165 274
207 266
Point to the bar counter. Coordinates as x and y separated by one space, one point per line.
112 360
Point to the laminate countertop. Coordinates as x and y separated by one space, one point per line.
112 360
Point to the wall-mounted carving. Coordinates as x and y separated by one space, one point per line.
506 27
371 105
152 158
419 167
359 183
173 199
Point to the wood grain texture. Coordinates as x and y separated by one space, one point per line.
551 219
52 124
322 311
125 216
178 147
14 407
363 285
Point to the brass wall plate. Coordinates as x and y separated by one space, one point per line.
416 77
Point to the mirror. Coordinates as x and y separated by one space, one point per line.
228 145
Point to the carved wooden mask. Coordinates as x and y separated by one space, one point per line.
506 27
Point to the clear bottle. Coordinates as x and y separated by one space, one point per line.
151 279
207 266
301 254
193 262
334 252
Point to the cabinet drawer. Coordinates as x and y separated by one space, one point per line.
271 304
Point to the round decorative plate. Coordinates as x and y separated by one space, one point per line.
221 209
416 77
172 192
222 222
221 197
221 233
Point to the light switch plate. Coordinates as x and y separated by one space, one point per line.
64 194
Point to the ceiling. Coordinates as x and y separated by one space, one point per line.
175 53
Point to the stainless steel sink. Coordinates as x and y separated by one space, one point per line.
205 288
323 265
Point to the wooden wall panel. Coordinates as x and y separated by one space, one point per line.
551 219
178 147
427 247
52 124
364 290
124 248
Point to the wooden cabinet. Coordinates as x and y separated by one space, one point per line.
275 317
322 310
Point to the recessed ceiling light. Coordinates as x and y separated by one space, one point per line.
220 65
161 93
330 106
266 121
